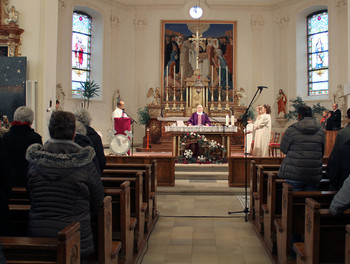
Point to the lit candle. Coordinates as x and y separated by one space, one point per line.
212 74
147 147
226 76
232 120
181 75
227 120
167 76
219 75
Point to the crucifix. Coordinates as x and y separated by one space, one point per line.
197 39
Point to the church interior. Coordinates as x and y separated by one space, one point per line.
204 197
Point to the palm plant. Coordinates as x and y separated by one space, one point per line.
89 90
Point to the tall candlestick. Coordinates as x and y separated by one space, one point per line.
212 74
181 75
167 76
226 76
219 75
174 74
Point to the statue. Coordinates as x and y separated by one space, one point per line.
12 15
339 98
281 102
239 94
153 96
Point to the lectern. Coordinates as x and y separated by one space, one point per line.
121 124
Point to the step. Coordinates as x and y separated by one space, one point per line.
201 167
201 175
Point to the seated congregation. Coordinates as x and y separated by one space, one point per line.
62 203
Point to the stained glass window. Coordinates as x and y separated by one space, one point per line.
317 36
81 51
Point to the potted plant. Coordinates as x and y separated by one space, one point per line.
89 90
317 109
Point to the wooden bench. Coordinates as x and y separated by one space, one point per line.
63 249
347 245
147 196
292 217
107 251
165 169
152 168
123 226
324 236
137 206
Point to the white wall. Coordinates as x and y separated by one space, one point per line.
267 49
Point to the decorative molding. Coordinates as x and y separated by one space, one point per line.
257 24
239 4
140 24
342 6
282 22
62 4
115 21
150 4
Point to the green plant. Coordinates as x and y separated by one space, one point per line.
144 116
317 109
89 90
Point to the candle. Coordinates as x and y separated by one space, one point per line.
212 74
167 76
219 75
147 147
227 120
226 76
174 74
232 120
181 75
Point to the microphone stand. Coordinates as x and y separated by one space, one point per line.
246 210
132 129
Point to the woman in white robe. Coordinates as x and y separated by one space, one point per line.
262 128
248 136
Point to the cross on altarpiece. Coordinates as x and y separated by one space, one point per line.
197 39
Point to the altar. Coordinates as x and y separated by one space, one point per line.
219 134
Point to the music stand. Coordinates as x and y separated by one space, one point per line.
245 115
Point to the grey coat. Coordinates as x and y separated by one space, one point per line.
64 187
304 144
341 200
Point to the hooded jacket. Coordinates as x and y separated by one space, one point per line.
64 187
304 144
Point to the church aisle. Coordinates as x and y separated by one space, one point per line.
197 229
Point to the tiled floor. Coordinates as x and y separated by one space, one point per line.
198 229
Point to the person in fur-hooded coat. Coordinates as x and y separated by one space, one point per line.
63 183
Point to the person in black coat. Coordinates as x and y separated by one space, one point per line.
334 121
63 183
84 117
16 142
5 189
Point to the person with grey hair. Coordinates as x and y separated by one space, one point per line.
84 117
16 142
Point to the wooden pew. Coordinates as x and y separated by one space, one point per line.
347 245
260 196
147 197
272 210
165 169
106 251
123 226
152 168
63 249
324 236
137 206
292 217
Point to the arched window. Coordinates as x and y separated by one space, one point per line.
81 51
317 44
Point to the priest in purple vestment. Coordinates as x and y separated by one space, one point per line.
199 118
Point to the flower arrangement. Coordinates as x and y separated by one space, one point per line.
204 151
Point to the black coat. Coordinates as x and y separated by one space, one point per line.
16 142
98 147
5 188
334 121
64 187
83 141
304 144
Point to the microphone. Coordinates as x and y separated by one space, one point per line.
262 87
